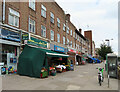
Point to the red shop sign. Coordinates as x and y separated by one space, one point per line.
72 51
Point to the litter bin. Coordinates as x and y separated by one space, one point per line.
1 65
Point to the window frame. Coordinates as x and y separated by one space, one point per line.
32 4
64 26
71 44
43 31
68 41
71 32
43 10
52 18
15 15
52 35
58 22
32 23
67 30
58 37
63 40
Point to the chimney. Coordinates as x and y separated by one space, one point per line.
68 17
80 30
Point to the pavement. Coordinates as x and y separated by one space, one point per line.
84 77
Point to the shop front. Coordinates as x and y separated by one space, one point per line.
72 55
10 47
79 58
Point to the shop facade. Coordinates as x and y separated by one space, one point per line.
10 47
72 55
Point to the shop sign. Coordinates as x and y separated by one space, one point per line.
58 48
37 42
9 35
25 36
72 51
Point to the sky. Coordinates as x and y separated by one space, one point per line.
100 16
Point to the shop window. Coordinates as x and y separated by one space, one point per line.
32 4
31 25
51 17
43 31
58 38
13 17
58 22
43 11
8 49
63 40
52 35
63 27
67 29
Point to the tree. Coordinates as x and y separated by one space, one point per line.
104 50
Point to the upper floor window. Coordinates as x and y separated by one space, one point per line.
31 25
63 40
71 32
52 35
78 37
68 30
67 41
58 22
74 34
32 4
58 37
51 17
13 17
43 31
77 46
43 11
63 27
71 44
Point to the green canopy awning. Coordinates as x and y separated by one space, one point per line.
50 53
32 59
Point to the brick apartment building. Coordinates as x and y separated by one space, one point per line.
88 35
45 22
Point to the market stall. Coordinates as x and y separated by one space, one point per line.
33 61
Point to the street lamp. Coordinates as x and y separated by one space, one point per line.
108 40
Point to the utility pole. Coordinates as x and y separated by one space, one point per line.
108 75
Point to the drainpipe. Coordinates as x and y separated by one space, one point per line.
3 18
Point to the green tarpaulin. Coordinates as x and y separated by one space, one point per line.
33 59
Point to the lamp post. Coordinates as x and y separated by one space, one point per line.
108 40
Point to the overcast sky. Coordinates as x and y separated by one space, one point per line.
100 15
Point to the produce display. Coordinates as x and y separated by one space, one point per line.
52 71
60 68
44 73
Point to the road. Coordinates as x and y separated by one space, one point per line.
83 78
